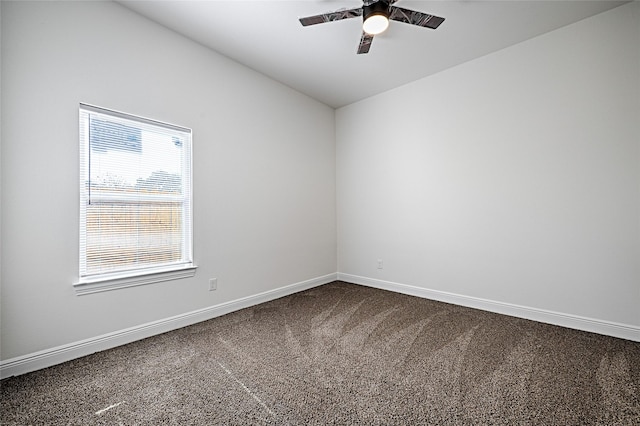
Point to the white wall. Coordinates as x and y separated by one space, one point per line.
264 169
514 177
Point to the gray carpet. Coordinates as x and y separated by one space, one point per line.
343 354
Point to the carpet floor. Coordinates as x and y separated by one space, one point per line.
342 354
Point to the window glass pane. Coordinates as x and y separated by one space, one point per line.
123 236
135 194
128 159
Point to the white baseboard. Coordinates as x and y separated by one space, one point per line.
608 328
49 357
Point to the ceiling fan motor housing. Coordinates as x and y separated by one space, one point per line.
375 17
378 8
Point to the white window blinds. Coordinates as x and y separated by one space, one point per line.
135 195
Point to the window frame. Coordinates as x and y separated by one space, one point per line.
105 281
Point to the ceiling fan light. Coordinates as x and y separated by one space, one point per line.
375 24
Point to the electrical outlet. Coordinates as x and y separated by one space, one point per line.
380 264
213 284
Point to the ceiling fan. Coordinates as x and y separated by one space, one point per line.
375 19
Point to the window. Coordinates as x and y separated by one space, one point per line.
135 201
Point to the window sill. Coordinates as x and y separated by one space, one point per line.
115 282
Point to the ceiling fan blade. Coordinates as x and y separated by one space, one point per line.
338 15
365 43
415 18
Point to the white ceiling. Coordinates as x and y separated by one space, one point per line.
321 60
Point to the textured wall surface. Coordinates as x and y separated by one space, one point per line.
514 177
263 169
